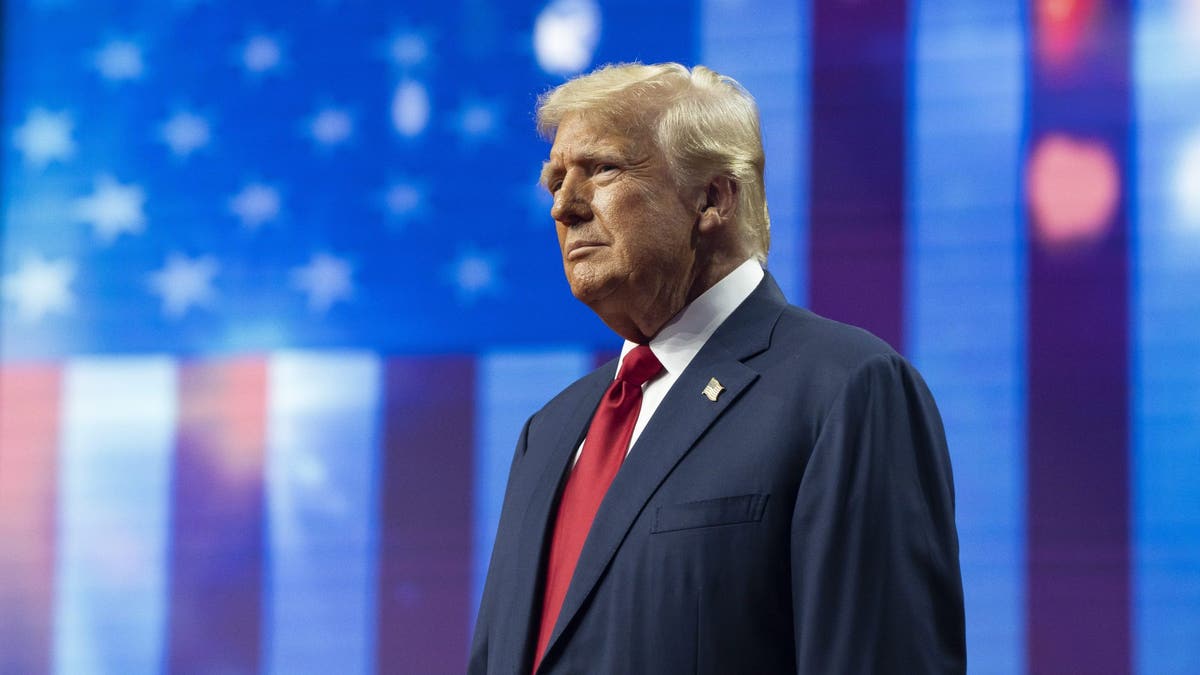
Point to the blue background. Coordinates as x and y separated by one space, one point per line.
442 245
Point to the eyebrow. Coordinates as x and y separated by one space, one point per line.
549 169
602 153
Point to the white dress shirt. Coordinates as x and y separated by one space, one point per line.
681 339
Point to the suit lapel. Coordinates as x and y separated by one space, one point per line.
523 612
680 420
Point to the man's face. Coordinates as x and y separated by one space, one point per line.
625 229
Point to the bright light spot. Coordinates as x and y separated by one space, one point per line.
410 108
261 54
326 279
120 60
1187 183
565 36
112 209
1073 189
1058 10
403 198
255 204
409 50
185 133
331 127
1061 26
40 287
474 273
477 120
45 137
183 282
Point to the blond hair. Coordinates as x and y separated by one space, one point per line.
705 123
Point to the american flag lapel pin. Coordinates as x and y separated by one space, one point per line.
713 390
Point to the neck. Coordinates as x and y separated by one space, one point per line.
641 324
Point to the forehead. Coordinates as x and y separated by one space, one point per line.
589 135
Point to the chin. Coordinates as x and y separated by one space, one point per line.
591 291
585 293
583 284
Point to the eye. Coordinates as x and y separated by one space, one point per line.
605 168
554 185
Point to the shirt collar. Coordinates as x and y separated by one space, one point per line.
683 336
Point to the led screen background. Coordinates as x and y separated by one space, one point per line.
280 290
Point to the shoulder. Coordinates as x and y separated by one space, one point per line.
852 368
829 364
775 333
567 400
802 337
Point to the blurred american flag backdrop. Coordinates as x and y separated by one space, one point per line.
280 288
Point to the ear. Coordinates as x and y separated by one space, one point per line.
717 204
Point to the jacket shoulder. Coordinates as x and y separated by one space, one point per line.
806 335
565 402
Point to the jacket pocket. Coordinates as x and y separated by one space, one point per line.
710 513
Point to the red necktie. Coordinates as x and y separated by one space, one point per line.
604 449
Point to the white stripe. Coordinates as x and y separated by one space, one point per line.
322 488
765 45
1165 312
118 434
511 387
966 289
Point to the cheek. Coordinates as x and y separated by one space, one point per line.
645 231
606 205
668 231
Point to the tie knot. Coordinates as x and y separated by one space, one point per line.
639 366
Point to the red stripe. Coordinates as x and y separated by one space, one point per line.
426 522
217 518
1078 417
856 251
29 400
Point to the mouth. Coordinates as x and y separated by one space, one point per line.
579 249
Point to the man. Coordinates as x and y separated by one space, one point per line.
751 488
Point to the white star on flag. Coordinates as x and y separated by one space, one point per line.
326 280
45 137
112 208
474 273
120 60
477 120
185 133
255 204
405 199
184 282
565 35
40 287
410 108
409 50
261 54
331 126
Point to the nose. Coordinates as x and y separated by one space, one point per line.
571 202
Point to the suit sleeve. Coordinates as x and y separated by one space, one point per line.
876 586
477 663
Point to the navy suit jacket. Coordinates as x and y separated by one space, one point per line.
802 522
